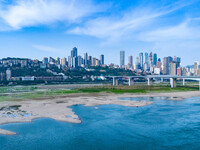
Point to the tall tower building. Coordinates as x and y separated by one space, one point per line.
74 58
158 65
89 60
155 59
102 59
173 68
57 61
74 52
122 58
178 60
69 61
45 60
146 61
130 61
86 59
196 68
166 65
64 61
151 57
79 61
141 60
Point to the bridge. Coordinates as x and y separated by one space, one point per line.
150 78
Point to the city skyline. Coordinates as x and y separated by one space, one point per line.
170 28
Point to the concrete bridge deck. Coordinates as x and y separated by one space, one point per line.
150 78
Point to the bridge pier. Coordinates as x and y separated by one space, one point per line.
173 82
183 82
161 80
115 81
131 81
149 81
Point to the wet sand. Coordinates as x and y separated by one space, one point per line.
58 107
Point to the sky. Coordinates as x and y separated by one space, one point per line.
42 28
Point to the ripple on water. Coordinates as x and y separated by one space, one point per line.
163 125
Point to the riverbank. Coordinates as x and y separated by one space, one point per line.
58 108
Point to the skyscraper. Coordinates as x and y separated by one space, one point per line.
178 60
75 62
130 61
166 65
141 60
154 59
150 58
173 68
74 52
158 65
102 59
64 61
89 60
74 58
69 61
85 59
57 61
196 68
93 61
122 58
45 60
147 62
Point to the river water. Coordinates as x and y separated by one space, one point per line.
166 124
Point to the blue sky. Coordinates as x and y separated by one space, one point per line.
43 28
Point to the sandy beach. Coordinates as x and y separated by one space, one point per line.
58 108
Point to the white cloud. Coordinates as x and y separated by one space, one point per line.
49 49
25 13
128 25
183 31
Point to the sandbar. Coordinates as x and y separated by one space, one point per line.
58 108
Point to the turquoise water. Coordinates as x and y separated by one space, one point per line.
163 125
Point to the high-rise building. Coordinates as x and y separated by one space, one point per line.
146 62
93 61
137 65
141 60
174 58
159 64
154 59
122 58
8 74
57 61
178 60
80 60
69 61
173 68
89 60
166 65
97 62
64 61
196 68
130 61
45 60
75 62
74 52
51 60
102 59
151 57
179 71
85 59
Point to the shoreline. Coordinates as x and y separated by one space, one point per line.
58 107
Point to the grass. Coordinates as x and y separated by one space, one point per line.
35 93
